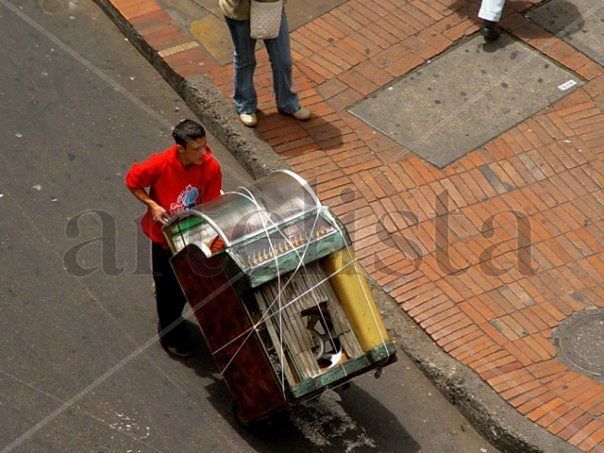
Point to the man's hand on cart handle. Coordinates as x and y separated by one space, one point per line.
159 214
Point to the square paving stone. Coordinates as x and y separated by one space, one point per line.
466 97
578 22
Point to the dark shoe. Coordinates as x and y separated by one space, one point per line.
490 31
181 350
175 342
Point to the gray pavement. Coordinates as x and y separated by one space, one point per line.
80 369
466 97
578 22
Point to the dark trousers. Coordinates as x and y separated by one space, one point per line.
168 295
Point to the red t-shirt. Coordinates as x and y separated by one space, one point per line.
173 186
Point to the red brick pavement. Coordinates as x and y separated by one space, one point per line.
488 294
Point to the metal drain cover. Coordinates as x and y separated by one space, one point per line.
466 97
580 342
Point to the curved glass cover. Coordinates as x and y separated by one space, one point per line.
268 202
232 216
284 194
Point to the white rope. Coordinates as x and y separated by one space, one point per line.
264 217
275 258
252 198
280 289
313 228
251 329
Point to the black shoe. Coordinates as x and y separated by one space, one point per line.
175 342
179 350
490 31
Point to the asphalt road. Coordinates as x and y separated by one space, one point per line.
80 368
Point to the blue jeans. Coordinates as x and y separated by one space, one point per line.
244 62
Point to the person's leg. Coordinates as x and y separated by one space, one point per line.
491 10
244 64
169 297
281 63
490 13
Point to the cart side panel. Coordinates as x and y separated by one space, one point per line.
228 333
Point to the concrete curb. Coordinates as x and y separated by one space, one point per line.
494 418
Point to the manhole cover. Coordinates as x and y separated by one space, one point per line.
466 97
580 342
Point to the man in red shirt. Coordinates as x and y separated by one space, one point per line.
178 178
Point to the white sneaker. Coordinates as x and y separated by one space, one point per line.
302 114
249 119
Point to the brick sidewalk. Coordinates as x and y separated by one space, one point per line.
547 169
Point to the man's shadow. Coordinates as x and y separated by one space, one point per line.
284 431
565 20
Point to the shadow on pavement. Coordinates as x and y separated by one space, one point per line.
571 21
378 421
325 135
336 421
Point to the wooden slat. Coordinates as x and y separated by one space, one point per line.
275 339
338 317
293 336
297 339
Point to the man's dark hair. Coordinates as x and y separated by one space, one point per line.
187 131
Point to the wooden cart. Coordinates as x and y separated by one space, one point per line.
280 300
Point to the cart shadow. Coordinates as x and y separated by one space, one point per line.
378 422
337 421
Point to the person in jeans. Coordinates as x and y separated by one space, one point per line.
180 177
237 16
490 13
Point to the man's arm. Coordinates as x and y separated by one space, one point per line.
214 187
158 213
142 175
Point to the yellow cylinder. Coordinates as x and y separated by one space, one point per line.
355 298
